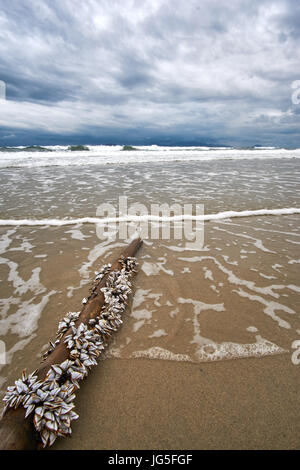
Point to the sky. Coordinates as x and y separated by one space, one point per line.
150 71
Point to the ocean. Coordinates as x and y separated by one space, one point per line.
235 297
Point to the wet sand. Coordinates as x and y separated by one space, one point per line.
249 403
148 404
205 309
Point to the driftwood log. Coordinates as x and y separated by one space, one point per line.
18 433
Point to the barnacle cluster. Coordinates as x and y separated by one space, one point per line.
51 400
67 322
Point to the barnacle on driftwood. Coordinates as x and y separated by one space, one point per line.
51 401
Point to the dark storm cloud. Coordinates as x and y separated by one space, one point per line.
201 70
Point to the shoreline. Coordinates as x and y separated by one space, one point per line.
240 290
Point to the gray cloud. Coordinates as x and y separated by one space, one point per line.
200 70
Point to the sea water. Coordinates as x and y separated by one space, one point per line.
236 297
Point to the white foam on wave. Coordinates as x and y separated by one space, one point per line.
76 234
270 307
214 352
160 353
199 307
229 350
235 280
257 242
144 315
102 155
153 269
94 254
158 333
149 218
24 321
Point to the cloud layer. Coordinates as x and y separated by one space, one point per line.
201 71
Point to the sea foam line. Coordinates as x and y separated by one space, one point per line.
104 155
150 218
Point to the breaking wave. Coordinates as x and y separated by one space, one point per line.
150 218
31 148
79 155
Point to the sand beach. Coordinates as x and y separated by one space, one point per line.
204 357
